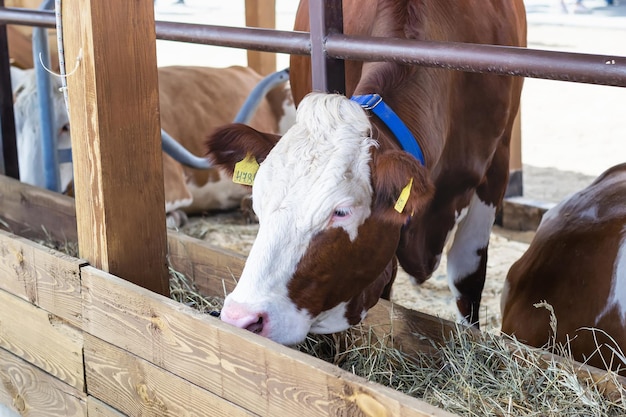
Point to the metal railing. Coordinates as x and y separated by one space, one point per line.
552 65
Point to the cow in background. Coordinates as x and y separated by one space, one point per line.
340 198
193 102
576 263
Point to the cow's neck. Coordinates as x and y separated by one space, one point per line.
397 86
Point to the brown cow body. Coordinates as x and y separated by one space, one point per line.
20 39
576 263
193 102
356 170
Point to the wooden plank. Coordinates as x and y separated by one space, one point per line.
213 269
96 408
28 391
36 212
136 387
42 276
521 213
114 108
253 372
261 14
42 339
411 330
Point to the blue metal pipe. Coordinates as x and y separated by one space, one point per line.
258 93
183 156
49 148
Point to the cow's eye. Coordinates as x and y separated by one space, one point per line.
342 212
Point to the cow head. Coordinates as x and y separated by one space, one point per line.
328 230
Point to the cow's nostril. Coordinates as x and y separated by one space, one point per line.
257 326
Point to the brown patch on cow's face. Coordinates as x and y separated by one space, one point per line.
335 269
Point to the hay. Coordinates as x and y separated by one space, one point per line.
473 374
186 292
228 230
67 247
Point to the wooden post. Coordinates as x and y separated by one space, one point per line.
114 114
261 14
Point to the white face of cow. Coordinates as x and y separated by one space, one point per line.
28 128
316 178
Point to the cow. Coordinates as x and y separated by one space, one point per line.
193 101
575 266
340 201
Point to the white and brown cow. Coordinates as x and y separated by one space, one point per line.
339 201
193 101
576 263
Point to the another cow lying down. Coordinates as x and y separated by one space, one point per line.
576 263
193 101
342 196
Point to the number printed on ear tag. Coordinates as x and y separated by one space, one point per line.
404 197
245 170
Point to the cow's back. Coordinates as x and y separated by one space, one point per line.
468 21
577 264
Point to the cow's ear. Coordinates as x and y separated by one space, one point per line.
402 186
231 144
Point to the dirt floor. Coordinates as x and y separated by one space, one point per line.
571 133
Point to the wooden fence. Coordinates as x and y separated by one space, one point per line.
78 341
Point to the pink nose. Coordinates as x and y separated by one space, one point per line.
240 316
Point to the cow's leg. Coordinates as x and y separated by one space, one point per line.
467 259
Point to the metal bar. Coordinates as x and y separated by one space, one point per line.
327 73
26 17
503 60
552 65
335 68
8 151
268 40
319 75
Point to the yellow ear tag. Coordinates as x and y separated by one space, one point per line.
245 170
404 197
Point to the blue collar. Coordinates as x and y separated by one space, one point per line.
375 103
